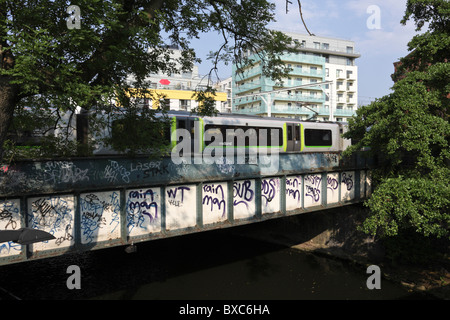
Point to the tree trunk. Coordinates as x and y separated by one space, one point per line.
8 100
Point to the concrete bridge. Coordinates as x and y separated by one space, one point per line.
94 203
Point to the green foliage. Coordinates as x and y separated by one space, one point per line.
409 247
137 130
417 203
207 103
409 132
66 69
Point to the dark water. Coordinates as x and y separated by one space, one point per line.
210 265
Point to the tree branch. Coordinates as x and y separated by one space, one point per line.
301 16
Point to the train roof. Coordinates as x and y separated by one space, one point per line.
245 116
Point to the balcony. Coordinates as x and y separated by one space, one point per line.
245 87
304 59
307 72
344 112
249 110
351 87
351 75
340 51
284 96
295 110
340 75
340 88
273 86
351 101
247 74
239 101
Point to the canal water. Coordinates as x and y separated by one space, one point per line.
221 264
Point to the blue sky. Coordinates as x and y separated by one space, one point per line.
345 19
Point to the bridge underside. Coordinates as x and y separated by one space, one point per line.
94 203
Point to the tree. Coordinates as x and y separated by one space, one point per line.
52 68
409 131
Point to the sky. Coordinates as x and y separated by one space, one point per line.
374 26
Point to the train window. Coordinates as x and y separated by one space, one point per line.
181 124
192 128
250 136
254 136
276 133
318 138
289 132
297 133
228 136
270 137
186 124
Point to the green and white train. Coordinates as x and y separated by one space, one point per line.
235 131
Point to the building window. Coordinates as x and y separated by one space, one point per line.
185 104
326 46
349 49
316 45
349 62
327 72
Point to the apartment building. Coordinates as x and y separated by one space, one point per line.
226 86
177 90
321 86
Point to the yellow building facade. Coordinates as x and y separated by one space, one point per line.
178 100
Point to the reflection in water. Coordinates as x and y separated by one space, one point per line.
210 265
285 274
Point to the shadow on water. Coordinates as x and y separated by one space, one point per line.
211 265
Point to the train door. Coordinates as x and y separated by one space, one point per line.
189 125
293 137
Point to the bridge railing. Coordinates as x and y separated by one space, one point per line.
94 203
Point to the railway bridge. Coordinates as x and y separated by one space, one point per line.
99 202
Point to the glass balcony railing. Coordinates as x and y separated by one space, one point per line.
294 98
294 110
344 112
284 96
303 58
